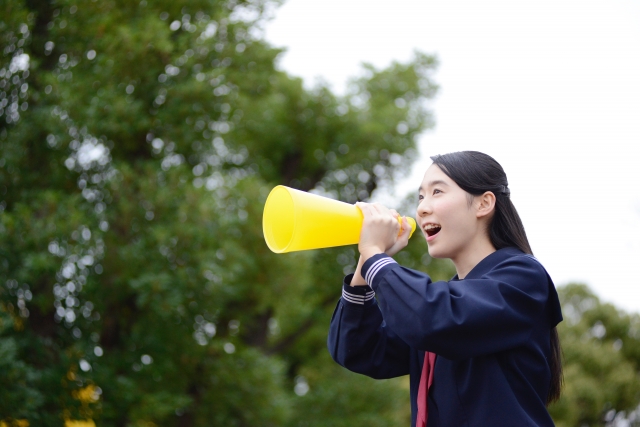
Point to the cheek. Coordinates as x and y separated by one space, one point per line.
453 216
445 210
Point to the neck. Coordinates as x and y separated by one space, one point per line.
475 252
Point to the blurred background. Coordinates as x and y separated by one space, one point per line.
549 88
138 143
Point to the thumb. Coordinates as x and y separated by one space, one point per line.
406 228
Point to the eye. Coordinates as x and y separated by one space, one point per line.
436 191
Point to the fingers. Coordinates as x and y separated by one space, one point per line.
380 228
375 209
404 233
406 229
375 213
366 209
377 219
402 239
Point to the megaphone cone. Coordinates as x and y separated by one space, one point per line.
295 220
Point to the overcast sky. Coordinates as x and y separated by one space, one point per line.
551 89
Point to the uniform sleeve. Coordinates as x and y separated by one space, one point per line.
461 318
360 340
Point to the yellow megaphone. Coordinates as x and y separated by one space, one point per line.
295 220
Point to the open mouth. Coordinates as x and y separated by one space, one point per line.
432 229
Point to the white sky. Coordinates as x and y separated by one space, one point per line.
551 89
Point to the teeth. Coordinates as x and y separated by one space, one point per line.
432 229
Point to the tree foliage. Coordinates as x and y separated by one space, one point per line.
138 143
601 362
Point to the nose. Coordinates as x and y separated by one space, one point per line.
423 209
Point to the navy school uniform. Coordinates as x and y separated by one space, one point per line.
490 331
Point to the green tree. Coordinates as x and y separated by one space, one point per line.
138 143
601 347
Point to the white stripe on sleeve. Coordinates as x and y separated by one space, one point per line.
357 299
373 270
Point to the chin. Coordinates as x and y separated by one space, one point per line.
435 253
441 251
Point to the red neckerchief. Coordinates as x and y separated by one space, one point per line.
426 379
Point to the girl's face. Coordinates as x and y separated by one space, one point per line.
447 220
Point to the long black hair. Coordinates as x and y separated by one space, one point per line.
477 173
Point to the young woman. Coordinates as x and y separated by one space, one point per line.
481 349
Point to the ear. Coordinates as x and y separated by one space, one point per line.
485 204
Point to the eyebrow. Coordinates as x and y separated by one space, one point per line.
432 183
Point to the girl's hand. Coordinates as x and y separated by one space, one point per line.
402 240
380 229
